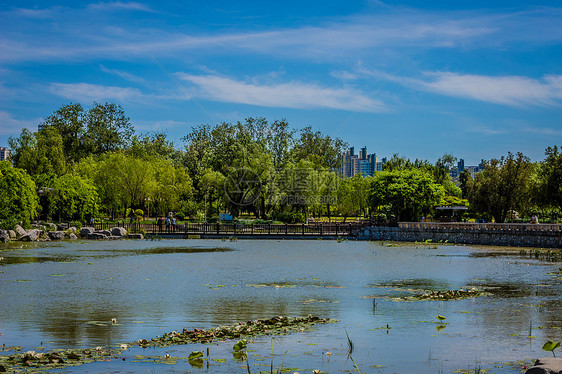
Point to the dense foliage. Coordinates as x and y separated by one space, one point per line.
90 163
18 195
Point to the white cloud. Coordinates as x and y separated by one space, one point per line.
11 125
505 90
35 13
296 95
544 131
87 92
365 35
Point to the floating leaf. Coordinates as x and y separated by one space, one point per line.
240 344
195 354
550 346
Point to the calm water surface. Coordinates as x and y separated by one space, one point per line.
51 295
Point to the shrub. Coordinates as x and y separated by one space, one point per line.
8 223
180 215
289 217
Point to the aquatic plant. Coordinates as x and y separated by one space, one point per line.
60 358
550 346
271 326
445 295
349 345
240 344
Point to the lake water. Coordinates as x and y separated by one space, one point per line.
52 294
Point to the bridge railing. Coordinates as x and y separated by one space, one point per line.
469 226
317 228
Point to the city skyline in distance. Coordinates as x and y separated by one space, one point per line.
474 80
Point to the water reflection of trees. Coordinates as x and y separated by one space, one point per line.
226 310
68 326
518 310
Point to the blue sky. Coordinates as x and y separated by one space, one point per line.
476 79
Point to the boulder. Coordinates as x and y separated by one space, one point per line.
72 236
118 231
20 231
31 236
97 236
51 226
85 231
135 236
12 234
62 227
72 229
113 237
104 232
56 235
546 365
4 236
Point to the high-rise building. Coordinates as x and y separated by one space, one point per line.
363 163
455 172
460 165
4 153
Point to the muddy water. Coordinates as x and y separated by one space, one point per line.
65 296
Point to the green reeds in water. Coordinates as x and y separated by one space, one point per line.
350 347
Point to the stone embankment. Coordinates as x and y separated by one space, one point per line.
464 235
51 231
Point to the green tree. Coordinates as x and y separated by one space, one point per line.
69 121
549 173
107 129
502 186
321 149
38 153
18 195
465 181
74 198
171 187
153 144
212 186
408 193
353 196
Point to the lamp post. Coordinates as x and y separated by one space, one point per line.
148 211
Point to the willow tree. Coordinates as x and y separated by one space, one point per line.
18 195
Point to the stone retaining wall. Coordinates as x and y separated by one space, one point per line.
539 239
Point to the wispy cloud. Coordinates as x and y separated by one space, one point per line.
123 74
12 125
87 92
117 5
365 35
544 131
505 90
296 95
35 13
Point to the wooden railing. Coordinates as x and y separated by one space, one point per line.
500 227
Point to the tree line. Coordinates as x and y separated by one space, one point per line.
90 162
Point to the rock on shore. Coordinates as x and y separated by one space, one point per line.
4 236
546 365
